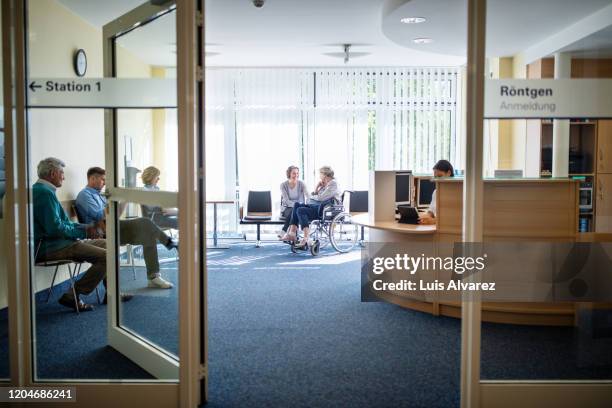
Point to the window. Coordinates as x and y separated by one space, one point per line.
260 121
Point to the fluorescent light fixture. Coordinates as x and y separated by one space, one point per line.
413 20
422 40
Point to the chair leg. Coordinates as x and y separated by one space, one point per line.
76 299
50 291
130 255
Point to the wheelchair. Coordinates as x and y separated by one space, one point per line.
333 226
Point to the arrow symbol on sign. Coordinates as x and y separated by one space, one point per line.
33 86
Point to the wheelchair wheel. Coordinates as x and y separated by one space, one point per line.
315 247
343 234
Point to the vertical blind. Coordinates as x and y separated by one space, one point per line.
261 120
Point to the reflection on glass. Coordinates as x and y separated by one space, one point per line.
146 138
553 340
147 246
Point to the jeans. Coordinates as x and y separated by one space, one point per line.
92 251
304 213
142 231
286 214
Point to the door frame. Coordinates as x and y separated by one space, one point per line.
189 391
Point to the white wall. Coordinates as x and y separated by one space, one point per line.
74 135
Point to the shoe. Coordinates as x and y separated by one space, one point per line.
125 297
159 282
302 245
172 243
68 301
288 238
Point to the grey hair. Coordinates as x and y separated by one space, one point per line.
46 166
327 171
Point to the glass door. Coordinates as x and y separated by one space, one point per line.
109 107
142 189
546 333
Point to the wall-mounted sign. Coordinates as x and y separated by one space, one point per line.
101 93
548 98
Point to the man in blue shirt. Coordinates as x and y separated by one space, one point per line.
91 208
58 238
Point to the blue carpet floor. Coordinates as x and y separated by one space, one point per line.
287 329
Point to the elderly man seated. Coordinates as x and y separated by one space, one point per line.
91 208
58 238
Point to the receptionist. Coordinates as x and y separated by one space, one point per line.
443 168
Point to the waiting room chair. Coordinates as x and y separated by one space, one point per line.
358 203
74 268
259 206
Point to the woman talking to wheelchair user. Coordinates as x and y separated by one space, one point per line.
325 192
293 191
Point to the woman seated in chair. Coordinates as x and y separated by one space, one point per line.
162 217
325 192
293 191
443 168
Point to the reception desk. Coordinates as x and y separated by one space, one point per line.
515 210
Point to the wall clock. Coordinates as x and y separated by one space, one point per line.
80 62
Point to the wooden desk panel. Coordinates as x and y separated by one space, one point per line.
514 211
515 208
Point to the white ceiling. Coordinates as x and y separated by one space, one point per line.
311 32
597 45
512 25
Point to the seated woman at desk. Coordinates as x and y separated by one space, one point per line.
293 191
326 191
443 168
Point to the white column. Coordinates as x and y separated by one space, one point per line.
561 127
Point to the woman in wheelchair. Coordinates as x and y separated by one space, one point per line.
325 192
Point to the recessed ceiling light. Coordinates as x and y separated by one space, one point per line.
423 40
413 20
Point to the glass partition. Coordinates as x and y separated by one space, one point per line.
4 346
67 152
547 199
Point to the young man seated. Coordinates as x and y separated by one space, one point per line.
91 207
56 237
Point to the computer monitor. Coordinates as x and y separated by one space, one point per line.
403 181
425 190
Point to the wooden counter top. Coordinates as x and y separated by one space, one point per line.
364 220
511 180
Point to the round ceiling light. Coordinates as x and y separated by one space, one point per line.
413 20
423 40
